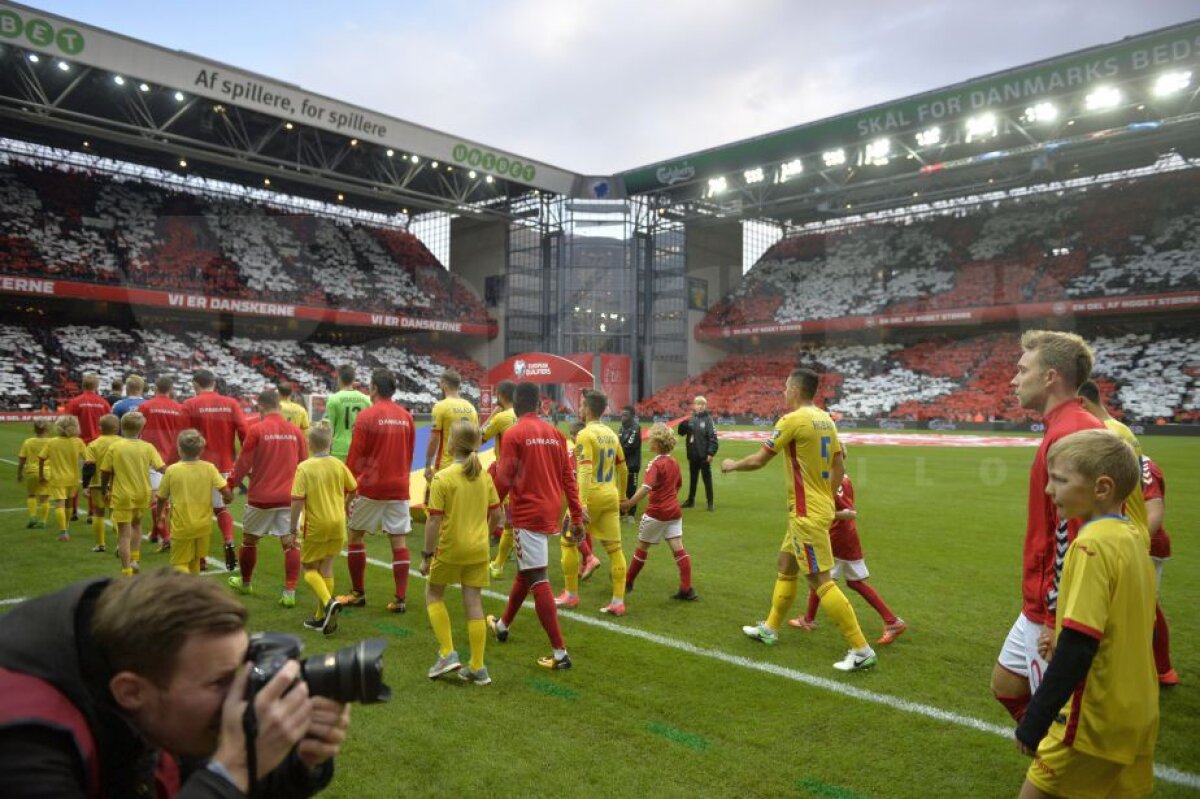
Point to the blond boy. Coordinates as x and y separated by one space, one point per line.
58 468
185 496
125 479
109 427
37 493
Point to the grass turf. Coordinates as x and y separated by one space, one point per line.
691 707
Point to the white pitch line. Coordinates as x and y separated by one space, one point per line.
6 460
13 601
13 510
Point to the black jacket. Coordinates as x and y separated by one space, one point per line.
631 444
50 638
701 434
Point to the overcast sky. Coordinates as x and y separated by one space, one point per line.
600 86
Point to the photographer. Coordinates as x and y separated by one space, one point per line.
136 687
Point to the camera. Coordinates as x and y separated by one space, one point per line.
352 674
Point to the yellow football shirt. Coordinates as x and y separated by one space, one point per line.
95 453
445 413
62 456
808 440
463 505
1107 592
189 486
323 482
31 450
598 459
497 423
295 413
1135 504
130 461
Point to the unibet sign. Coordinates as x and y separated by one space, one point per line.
490 162
40 32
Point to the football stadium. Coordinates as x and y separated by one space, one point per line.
179 230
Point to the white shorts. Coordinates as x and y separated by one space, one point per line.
533 549
217 500
851 569
155 480
390 516
266 521
651 530
1020 652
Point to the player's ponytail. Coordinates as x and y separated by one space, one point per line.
464 443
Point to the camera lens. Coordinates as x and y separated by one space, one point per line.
353 674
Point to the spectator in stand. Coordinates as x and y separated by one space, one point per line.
116 390
294 412
700 433
165 420
135 387
88 407
630 435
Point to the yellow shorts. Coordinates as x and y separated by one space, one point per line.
187 550
474 575
808 541
317 548
1061 770
127 515
60 492
35 487
605 522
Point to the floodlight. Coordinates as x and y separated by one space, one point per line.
717 185
143 87
354 142
1171 82
434 165
288 126
33 57
878 151
64 66
415 159
266 181
753 175
390 153
1044 111
179 99
183 163
981 126
341 197
790 169
488 179
603 327
1102 98
834 157
929 137
471 174
117 79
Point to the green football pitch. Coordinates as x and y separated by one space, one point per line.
672 700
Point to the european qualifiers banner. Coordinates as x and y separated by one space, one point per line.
12 284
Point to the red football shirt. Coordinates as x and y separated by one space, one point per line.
219 419
1154 486
381 450
535 470
664 480
270 454
1039 584
88 407
843 533
165 420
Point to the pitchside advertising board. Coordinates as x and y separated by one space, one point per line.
59 37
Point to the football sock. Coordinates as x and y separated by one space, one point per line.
135 555
32 504
98 528
60 518
291 567
127 572
504 549
440 620
872 596
194 566
225 523
616 557
835 604
317 584
684 562
639 560
43 510
547 611
400 563
814 602
781 599
516 598
1015 705
185 567
1162 642
248 559
356 562
570 567
477 632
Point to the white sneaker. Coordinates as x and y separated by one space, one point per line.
445 665
857 661
761 632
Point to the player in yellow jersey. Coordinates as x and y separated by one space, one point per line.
185 493
294 412
599 471
1093 721
37 493
109 429
446 412
1135 504
319 490
125 477
58 467
501 419
808 440
463 507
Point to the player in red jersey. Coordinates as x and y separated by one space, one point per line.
273 448
88 407
534 470
165 420
380 458
219 420
1052 367
1154 490
848 562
